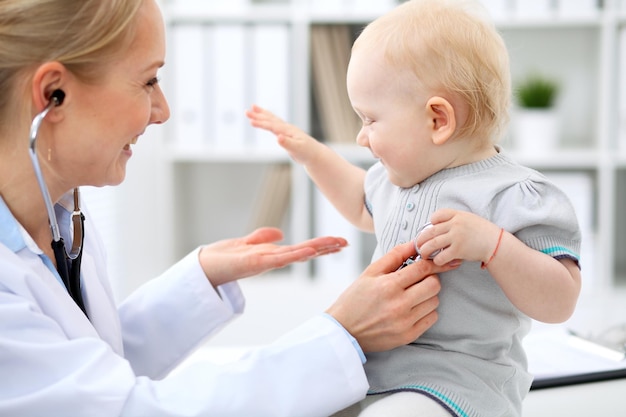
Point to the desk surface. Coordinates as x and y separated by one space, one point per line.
601 399
595 312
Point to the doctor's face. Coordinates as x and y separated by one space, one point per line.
108 117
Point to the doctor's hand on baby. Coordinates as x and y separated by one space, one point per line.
388 307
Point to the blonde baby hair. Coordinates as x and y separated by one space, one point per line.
450 46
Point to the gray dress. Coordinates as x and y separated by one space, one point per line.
472 360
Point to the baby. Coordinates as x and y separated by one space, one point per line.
430 81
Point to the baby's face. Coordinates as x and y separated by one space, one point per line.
397 127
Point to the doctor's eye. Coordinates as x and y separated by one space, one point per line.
153 82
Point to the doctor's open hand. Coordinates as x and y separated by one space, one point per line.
231 259
386 307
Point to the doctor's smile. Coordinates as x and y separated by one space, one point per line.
127 148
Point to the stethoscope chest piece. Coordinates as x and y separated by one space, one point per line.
418 255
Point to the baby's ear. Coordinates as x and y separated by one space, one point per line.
442 119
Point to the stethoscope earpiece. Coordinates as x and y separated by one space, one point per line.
57 97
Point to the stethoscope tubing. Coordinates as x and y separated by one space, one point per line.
34 129
68 265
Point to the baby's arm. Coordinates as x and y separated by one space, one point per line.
542 287
339 180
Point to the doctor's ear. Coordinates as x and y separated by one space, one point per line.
442 120
50 87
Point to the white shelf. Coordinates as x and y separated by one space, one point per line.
252 13
217 155
270 13
563 159
555 22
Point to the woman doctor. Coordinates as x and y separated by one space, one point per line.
81 77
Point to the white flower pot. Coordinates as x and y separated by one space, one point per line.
536 131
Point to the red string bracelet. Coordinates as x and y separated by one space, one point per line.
483 265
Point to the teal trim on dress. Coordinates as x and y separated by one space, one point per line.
447 401
561 249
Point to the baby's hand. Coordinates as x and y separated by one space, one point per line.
461 235
300 146
265 119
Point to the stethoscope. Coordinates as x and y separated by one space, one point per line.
418 254
68 264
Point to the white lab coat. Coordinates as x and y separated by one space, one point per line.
55 362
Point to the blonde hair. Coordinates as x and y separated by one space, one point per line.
83 35
449 45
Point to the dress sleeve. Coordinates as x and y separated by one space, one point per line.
540 215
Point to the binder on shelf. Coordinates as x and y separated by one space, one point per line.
229 59
270 77
533 9
213 5
498 9
330 54
268 82
325 6
343 6
578 8
189 86
621 91
272 202
371 6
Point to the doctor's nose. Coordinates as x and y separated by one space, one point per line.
160 107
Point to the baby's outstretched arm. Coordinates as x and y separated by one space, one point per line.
544 288
300 146
339 180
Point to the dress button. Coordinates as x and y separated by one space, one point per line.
415 188
410 206
405 224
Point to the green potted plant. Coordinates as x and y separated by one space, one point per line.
536 120
537 92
